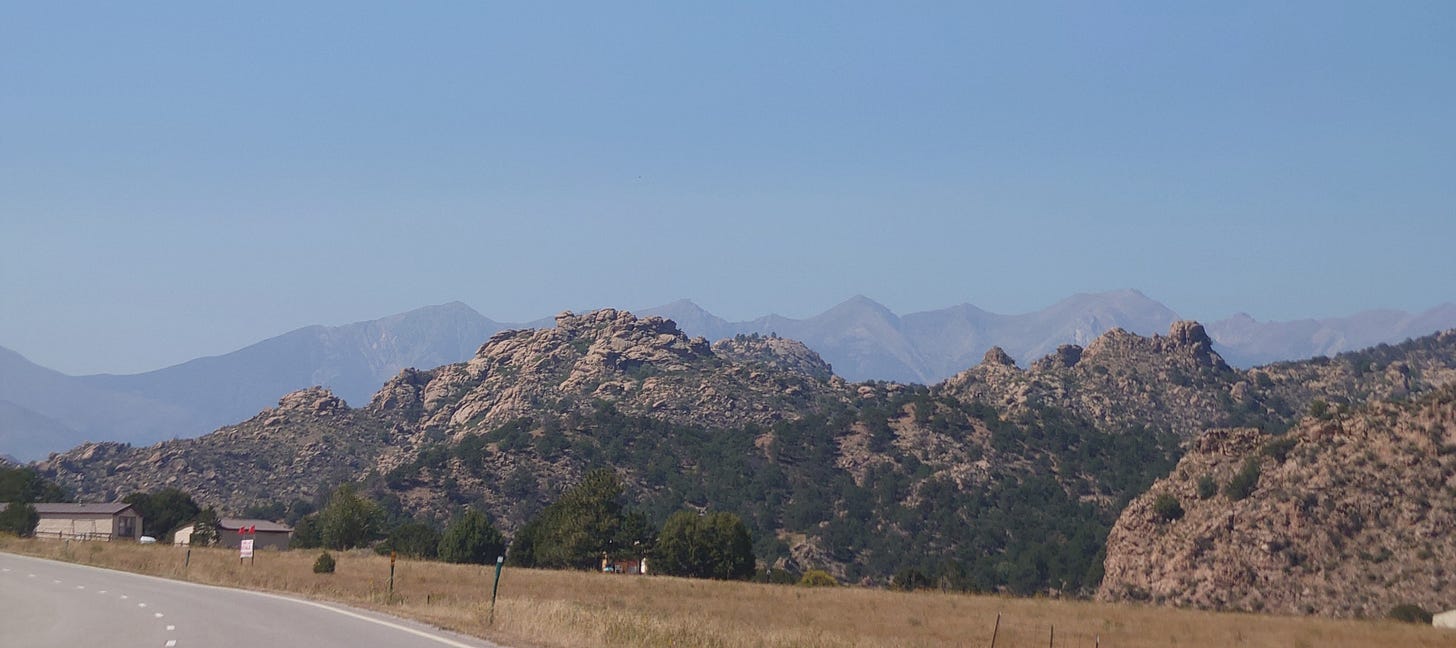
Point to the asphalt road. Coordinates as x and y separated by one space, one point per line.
46 603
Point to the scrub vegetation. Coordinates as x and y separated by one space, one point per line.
575 608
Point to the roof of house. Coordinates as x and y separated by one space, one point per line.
233 524
65 508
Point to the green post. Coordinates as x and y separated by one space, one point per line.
500 561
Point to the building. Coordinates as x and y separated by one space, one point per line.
264 534
111 521
1444 619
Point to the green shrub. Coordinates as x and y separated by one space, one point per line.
1244 482
1410 613
818 578
19 518
1207 487
1279 447
1167 508
324 564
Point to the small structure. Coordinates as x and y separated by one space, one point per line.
1445 619
264 534
183 536
232 531
633 567
110 521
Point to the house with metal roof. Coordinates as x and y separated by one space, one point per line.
232 531
108 521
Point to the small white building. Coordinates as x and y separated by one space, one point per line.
1445 619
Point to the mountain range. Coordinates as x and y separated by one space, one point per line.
43 411
1000 479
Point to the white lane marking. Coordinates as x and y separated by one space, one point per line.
157 614
171 628
31 576
100 591
170 643
141 604
418 633
5 568
56 582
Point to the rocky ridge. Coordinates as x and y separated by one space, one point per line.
1351 515
849 477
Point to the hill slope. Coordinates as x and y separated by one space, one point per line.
1349 515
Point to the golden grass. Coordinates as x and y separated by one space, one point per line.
553 608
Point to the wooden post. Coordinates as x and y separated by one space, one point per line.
995 629
391 576
1053 638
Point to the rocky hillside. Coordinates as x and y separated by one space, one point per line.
1179 383
1349 514
1001 480
311 441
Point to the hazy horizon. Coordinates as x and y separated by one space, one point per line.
182 183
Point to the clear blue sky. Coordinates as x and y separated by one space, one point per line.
178 181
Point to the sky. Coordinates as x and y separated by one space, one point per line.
180 180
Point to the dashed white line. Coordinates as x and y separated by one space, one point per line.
56 582
80 587
123 596
171 628
157 614
4 569
170 643
141 604
30 576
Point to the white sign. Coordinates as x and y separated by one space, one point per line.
247 548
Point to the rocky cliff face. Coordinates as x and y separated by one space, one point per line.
1349 515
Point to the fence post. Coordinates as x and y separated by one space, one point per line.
995 629
499 562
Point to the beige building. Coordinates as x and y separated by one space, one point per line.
112 521
1444 619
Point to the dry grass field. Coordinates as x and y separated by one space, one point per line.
550 608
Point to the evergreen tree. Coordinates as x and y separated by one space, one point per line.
716 545
413 539
204 532
349 520
576 530
471 539
163 510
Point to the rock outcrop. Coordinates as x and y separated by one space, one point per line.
1348 515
